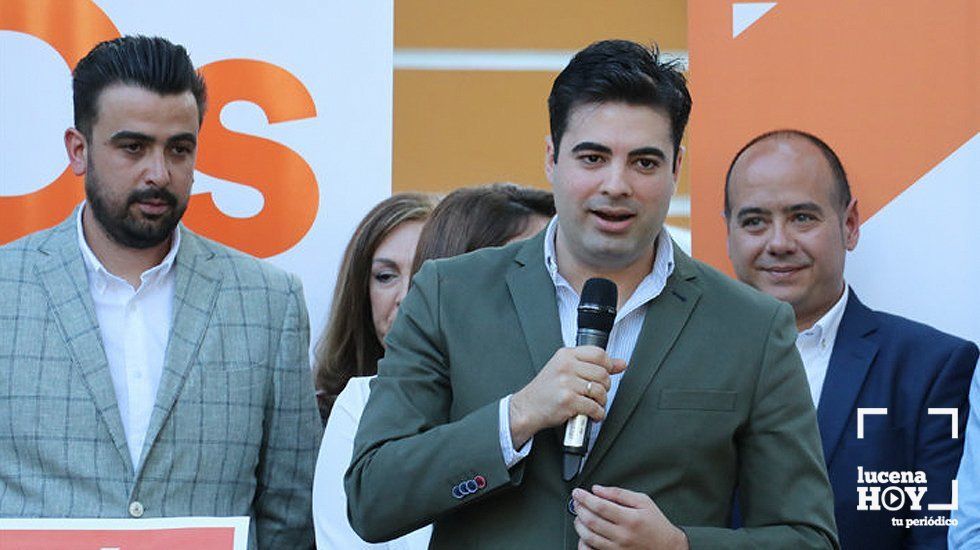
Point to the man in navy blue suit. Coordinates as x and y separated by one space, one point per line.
791 220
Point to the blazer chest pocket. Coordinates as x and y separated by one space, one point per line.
698 400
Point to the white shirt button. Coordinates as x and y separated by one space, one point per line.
136 509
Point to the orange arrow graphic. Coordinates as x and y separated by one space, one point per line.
891 86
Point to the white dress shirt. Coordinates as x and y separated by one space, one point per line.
330 521
622 339
135 325
816 343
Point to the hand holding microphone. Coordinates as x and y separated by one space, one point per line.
574 382
596 315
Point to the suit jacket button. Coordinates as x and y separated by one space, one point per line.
136 509
457 493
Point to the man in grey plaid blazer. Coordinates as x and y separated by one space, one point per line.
230 427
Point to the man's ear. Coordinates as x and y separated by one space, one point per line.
77 148
852 225
677 165
549 159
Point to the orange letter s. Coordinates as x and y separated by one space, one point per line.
285 180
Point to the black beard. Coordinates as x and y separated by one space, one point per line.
122 227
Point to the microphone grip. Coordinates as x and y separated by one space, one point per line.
576 443
591 337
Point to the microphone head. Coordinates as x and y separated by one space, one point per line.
597 307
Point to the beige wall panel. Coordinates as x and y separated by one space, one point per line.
459 128
679 221
684 185
540 24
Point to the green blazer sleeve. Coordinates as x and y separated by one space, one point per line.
414 442
784 493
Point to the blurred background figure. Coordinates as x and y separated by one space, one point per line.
466 220
477 217
372 280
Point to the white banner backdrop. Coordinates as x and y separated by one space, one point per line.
919 256
297 146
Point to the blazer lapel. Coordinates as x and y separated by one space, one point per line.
65 280
533 293
665 319
849 363
195 296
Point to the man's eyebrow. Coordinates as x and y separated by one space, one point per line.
186 136
591 146
654 151
803 207
751 211
129 134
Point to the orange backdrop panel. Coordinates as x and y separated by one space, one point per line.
892 86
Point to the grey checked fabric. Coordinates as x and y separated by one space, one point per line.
234 430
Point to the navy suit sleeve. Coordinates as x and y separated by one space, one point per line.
936 452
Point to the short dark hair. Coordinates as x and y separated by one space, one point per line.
477 217
152 63
842 189
620 71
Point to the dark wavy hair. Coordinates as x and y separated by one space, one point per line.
152 63
476 217
620 71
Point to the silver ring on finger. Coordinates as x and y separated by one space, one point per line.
588 389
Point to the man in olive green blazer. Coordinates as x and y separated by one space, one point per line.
714 398
464 424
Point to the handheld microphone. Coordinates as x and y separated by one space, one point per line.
596 313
